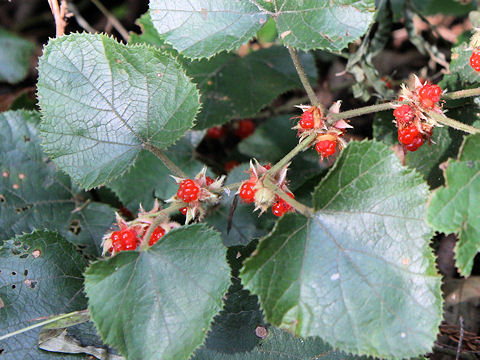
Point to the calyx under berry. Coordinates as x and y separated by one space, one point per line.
254 190
415 125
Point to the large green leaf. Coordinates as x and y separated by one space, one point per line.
103 101
359 273
34 195
200 28
14 57
159 303
454 209
149 178
280 345
235 87
40 275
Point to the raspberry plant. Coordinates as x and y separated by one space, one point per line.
319 244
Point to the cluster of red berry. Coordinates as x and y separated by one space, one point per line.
328 138
475 60
412 131
127 239
242 129
250 188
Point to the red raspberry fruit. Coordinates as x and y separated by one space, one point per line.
429 94
281 206
475 60
216 132
245 128
306 120
415 144
156 235
124 240
247 192
403 114
209 181
277 209
407 135
188 191
183 210
326 147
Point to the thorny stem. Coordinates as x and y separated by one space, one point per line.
303 209
162 216
116 24
304 79
174 169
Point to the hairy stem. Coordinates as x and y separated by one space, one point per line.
442 119
462 94
162 216
305 143
304 79
333 118
174 169
303 209
43 323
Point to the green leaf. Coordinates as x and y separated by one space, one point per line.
40 276
199 29
328 25
454 209
149 178
103 101
14 57
280 345
235 87
233 329
359 273
461 73
33 194
181 280
470 149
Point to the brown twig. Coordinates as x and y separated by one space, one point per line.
113 20
59 14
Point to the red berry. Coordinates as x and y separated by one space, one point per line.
326 147
188 191
124 240
415 144
267 166
278 209
209 181
184 210
229 165
407 135
156 235
475 60
245 128
404 114
306 120
247 192
429 94
216 132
